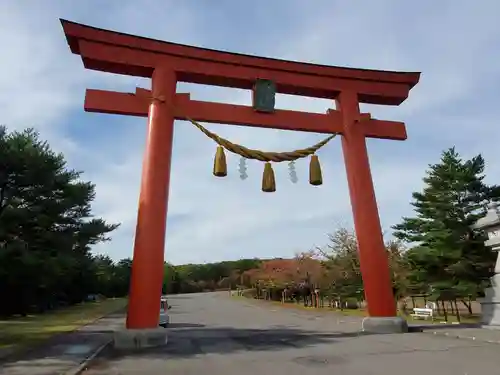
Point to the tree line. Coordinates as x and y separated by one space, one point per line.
46 228
435 253
47 231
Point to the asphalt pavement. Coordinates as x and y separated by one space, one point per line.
213 334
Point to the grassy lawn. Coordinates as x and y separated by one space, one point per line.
16 333
437 319
361 313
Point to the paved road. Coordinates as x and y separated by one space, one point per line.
212 334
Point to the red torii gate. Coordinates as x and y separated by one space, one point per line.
168 63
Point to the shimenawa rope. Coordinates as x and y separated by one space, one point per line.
265 156
268 180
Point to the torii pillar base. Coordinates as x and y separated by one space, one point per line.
392 324
136 339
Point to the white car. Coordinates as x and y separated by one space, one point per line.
164 317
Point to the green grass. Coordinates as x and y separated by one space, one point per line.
17 333
362 313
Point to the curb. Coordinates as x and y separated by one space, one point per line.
85 364
462 337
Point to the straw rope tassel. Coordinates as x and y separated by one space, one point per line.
220 165
268 181
315 176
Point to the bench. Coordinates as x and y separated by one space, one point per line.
424 313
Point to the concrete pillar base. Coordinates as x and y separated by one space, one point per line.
140 338
393 324
490 306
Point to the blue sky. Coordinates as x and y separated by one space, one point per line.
455 44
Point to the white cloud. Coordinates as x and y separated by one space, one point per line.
43 85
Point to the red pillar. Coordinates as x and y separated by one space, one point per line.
372 253
147 266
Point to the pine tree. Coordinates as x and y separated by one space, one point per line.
448 254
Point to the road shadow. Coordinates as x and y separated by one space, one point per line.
185 325
187 340
436 327
190 342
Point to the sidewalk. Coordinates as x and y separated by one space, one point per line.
63 352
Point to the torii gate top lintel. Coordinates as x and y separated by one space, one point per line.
120 53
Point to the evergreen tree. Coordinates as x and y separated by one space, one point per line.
448 253
46 227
